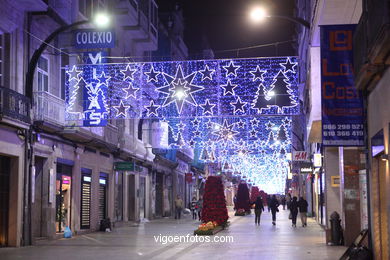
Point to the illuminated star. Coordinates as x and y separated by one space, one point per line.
209 124
207 107
121 109
191 143
286 121
229 88
74 73
128 73
240 124
289 66
225 132
103 79
269 125
180 89
258 74
130 91
253 133
152 108
180 126
152 74
231 69
196 133
238 106
207 73
255 122
195 122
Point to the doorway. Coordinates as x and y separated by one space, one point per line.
63 196
131 210
103 185
38 204
159 194
5 168
142 197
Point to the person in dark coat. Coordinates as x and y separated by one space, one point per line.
258 209
284 202
274 204
302 205
294 211
269 202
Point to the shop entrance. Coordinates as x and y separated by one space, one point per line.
5 168
103 185
85 207
142 197
63 196
38 204
159 194
132 193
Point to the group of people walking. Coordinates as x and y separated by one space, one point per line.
273 206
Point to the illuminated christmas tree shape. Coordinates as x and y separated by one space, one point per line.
280 94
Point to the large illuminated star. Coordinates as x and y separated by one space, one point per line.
179 89
228 88
225 132
231 69
289 66
130 91
121 109
255 122
258 74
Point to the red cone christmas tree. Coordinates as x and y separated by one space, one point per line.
214 203
254 193
243 197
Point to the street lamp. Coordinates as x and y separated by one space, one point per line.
259 14
100 20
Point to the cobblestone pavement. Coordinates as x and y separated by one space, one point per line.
139 242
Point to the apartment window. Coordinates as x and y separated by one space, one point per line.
43 74
4 59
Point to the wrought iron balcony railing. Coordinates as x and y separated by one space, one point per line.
14 105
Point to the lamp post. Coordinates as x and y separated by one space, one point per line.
101 21
258 14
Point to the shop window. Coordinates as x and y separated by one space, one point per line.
63 201
103 187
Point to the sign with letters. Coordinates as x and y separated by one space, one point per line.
92 39
300 156
342 106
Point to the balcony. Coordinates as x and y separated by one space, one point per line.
14 105
127 12
372 43
49 108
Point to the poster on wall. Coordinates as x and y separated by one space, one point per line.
342 104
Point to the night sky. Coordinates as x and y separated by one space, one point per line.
225 25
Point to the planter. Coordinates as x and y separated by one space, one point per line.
209 232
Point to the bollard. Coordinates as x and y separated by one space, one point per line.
335 228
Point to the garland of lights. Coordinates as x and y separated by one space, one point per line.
237 112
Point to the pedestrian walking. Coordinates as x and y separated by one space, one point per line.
194 207
284 202
274 204
235 202
288 200
258 209
294 211
302 206
200 207
269 202
178 207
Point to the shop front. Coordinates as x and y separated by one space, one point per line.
63 194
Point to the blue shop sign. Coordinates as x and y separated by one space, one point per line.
94 39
